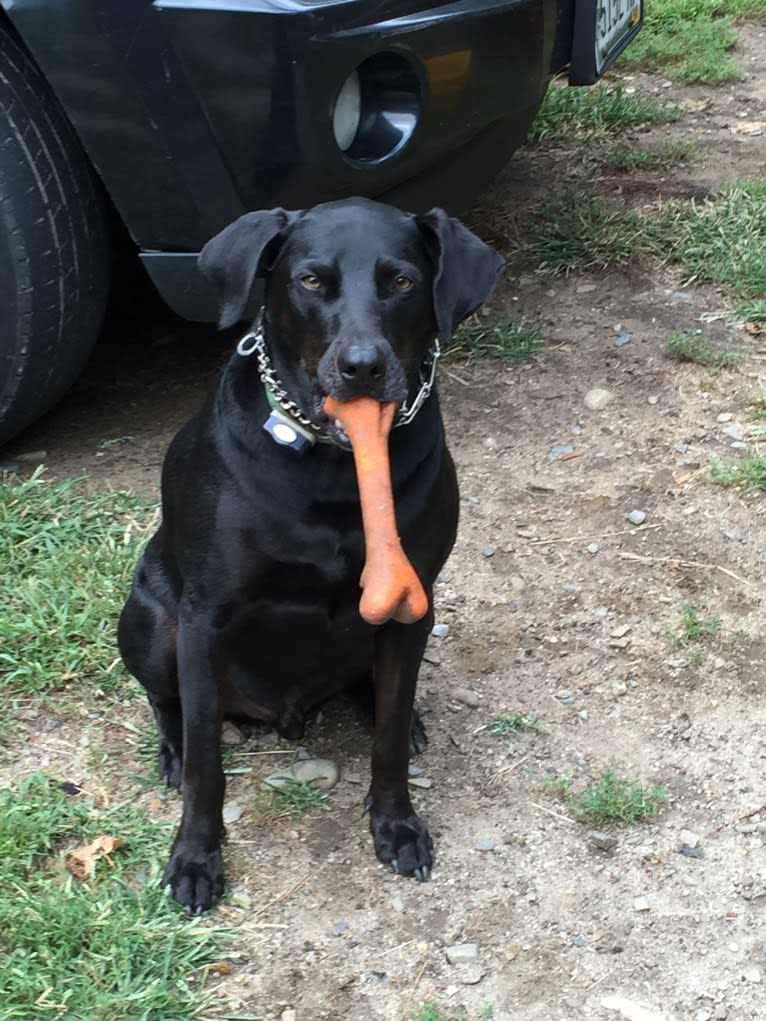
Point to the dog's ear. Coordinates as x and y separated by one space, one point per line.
241 252
466 270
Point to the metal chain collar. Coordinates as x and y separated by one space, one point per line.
254 342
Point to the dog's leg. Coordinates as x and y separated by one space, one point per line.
167 713
401 838
195 868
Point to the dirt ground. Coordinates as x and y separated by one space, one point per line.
557 606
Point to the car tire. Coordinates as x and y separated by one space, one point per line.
54 250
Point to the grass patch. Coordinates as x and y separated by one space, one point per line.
576 230
66 560
690 40
753 312
111 948
294 800
748 474
507 340
624 158
514 723
691 346
695 628
720 241
430 1012
595 113
611 799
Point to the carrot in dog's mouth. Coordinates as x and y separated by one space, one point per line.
391 590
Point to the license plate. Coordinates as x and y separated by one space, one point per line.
602 30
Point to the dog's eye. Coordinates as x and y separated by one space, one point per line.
402 283
311 281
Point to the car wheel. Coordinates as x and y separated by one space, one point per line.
54 253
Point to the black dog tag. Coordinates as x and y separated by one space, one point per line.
288 433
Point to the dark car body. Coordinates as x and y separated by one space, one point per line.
194 111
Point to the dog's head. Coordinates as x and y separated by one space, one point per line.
355 292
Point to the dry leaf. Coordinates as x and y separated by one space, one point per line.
82 862
755 328
221 968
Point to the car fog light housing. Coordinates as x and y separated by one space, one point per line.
347 112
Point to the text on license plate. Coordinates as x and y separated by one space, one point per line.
614 19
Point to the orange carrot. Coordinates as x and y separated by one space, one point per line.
390 587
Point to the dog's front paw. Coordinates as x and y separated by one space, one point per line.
195 878
403 843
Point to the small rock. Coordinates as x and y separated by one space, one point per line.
597 399
467 697
231 735
485 844
489 551
689 838
681 296
339 928
472 976
654 399
517 583
440 630
413 769
721 1012
734 431
565 696
637 517
397 904
640 904
619 643
623 339
323 772
462 952
432 656
420 781
603 841
558 450
352 777
231 813
752 974
691 852
621 631
630 1010
586 288
288 1015
592 547
725 416
620 688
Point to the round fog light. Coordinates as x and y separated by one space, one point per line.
347 112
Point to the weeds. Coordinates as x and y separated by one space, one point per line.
690 40
748 474
670 154
110 948
694 628
691 346
507 340
591 114
720 241
576 230
65 559
611 799
294 799
514 723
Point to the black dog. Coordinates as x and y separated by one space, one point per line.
246 599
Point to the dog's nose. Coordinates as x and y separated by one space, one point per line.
362 364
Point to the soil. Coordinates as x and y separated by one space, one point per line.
557 607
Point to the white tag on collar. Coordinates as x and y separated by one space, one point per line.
288 433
